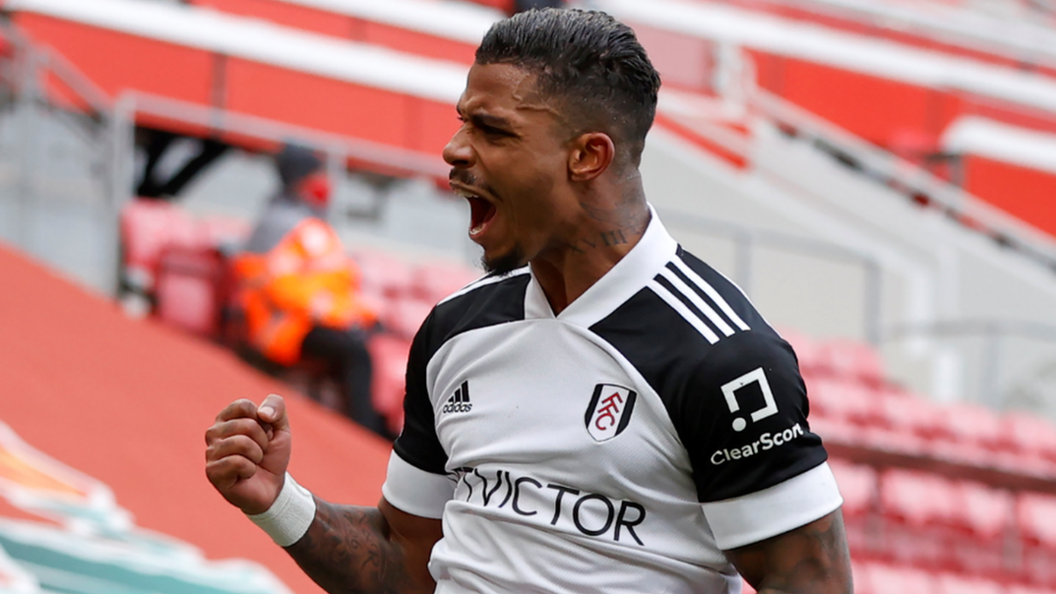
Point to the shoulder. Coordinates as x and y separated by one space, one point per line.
489 301
688 317
279 219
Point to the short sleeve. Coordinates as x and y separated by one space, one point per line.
417 482
743 420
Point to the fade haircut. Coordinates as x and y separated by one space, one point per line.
590 63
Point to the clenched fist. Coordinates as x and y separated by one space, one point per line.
248 451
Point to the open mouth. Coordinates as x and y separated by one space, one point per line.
482 211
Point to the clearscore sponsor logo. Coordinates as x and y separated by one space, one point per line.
766 441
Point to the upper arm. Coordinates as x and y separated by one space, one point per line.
758 469
416 536
417 481
765 489
810 559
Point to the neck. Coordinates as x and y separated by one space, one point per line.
606 230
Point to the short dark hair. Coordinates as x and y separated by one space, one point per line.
590 62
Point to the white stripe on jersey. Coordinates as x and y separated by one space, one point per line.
711 292
695 299
677 305
487 280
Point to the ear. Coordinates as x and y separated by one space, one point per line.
591 155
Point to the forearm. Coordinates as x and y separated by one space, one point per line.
350 550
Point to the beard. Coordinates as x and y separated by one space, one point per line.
505 263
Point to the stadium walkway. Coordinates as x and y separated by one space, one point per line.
128 402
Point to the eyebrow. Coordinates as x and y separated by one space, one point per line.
488 121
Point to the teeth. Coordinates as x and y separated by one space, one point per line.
464 193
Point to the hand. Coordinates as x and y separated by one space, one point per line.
248 451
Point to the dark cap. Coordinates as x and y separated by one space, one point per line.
295 163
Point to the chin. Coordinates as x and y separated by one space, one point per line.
503 263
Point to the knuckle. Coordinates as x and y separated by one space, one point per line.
239 407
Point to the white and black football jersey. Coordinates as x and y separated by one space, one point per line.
617 447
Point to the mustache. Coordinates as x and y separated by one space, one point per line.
468 179
463 177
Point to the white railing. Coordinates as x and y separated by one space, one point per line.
909 179
1019 40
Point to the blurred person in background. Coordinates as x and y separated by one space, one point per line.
298 289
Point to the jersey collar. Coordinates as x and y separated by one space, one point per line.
653 251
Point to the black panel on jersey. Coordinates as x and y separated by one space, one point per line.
729 292
688 372
489 305
730 463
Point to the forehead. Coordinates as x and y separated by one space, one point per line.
500 88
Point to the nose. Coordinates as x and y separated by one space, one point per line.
458 152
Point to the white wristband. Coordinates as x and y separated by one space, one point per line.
289 518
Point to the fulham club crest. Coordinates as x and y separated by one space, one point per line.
609 411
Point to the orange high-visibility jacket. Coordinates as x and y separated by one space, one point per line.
303 279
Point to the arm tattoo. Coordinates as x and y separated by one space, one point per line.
810 560
347 550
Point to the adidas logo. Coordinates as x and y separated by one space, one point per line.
459 403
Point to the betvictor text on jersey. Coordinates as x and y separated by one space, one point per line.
590 514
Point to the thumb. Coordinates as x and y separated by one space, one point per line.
273 412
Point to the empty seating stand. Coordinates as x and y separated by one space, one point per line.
447 31
852 76
884 578
248 66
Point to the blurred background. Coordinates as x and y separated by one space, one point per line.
878 175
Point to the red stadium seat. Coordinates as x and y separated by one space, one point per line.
835 430
860 574
981 511
916 508
981 517
187 290
916 498
1029 434
1036 520
973 423
852 360
404 315
435 281
1036 517
957 584
893 439
1022 589
858 486
888 579
147 227
913 414
389 355
843 400
383 273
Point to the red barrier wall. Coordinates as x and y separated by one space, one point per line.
291 15
115 61
347 27
1025 193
